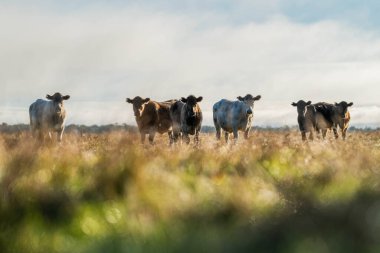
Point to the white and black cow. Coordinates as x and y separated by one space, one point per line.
232 116
48 115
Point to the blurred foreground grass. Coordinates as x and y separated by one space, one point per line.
108 193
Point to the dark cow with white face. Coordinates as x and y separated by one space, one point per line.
337 115
306 118
47 116
152 117
232 116
187 118
191 118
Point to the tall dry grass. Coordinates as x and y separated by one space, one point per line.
109 193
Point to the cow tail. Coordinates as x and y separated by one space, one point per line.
30 113
214 111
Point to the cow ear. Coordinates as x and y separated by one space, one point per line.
257 97
308 103
350 104
336 104
199 99
183 99
146 100
294 104
129 100
49 97
66 97
240 98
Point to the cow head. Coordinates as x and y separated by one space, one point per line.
138 105
57 100
249 100
191 104
341 108
301 107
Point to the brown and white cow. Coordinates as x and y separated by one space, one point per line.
46 116
152 117
336 115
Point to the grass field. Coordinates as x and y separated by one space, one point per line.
109 193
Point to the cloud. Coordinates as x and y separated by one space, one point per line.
101 56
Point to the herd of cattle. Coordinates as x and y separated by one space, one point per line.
181 118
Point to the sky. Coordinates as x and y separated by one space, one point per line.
101 52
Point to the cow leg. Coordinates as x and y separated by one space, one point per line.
142 137
324 131
59 135
218 132
344 133
318 133
196 138
34 132
226 135
171 137
176 135
186 137
311 136
335 133
246 134
236 135
41 135
152 133
303 134
37 134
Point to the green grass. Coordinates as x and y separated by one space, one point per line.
109 193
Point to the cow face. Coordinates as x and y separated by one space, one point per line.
57 100
138 105
249 100
191 104
301 107
341 108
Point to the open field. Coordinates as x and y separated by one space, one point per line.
109 193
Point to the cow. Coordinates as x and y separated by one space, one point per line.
152 117
47 116
234 116
336 115
175 115
191 118
306 118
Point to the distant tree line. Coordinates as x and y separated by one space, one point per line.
97 129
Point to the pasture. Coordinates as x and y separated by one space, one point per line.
108 193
